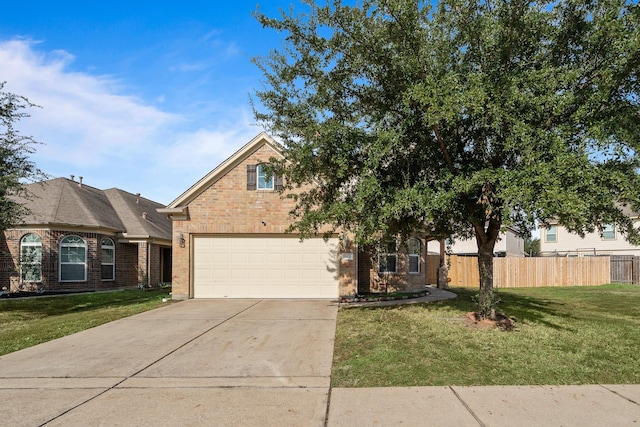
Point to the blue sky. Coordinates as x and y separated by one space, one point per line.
143 96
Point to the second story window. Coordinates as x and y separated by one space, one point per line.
551 234
259 179
609 232
265 181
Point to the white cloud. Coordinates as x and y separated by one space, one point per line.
80 112
91 127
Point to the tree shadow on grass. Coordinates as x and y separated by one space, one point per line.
520 308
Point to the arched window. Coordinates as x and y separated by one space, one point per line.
108 259
31 258
414 255
73 259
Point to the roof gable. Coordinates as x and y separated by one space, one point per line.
223 168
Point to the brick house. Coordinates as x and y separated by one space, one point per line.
230 241
77 237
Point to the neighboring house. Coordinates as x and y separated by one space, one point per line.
77 237
230 240
509 244
555 240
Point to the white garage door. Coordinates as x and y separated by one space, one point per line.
264 267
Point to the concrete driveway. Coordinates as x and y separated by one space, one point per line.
197 362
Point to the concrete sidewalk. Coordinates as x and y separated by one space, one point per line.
593 405
257 363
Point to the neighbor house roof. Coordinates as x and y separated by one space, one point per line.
62 202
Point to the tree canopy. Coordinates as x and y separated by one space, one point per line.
16 168
458 118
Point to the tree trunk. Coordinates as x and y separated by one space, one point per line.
486 240
486 303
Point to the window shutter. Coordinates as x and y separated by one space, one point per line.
251 177
278 183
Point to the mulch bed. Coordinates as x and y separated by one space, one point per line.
381 297
502 322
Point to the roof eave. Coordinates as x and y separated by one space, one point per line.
175 214
127 238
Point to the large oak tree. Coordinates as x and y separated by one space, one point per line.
458 118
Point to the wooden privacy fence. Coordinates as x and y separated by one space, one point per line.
625 269
533 272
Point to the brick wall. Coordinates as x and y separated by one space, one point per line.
369 280
8 263
126 262
227 207
153 263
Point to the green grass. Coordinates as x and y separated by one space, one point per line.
576 335
29 321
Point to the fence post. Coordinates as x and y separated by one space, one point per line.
636 270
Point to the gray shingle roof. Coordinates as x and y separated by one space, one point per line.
133 209
62 201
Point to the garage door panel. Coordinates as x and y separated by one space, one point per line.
275 258
264 267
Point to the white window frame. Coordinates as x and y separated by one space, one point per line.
554 234
414 254
268 183
34 265
109 247
385 254
66 243
608 228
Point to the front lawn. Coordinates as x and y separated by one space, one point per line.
29 321
575 335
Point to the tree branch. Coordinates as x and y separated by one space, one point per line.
443 148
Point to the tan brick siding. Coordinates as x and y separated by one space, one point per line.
369 280
227 207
